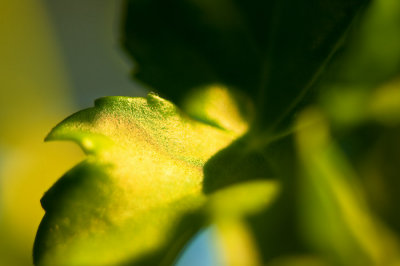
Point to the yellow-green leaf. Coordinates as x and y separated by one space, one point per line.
137 189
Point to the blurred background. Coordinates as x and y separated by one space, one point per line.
57 57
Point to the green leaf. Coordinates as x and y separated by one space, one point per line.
362 84
337 220
228 208
361 97
134 198
271 50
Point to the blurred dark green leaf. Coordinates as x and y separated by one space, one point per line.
271 50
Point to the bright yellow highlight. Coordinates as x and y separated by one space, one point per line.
227 207
220 106
242 199
236 244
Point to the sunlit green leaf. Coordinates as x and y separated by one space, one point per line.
143 174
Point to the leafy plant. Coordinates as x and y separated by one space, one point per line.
283 136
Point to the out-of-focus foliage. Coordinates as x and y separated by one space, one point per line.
272 50
336 218
309 181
